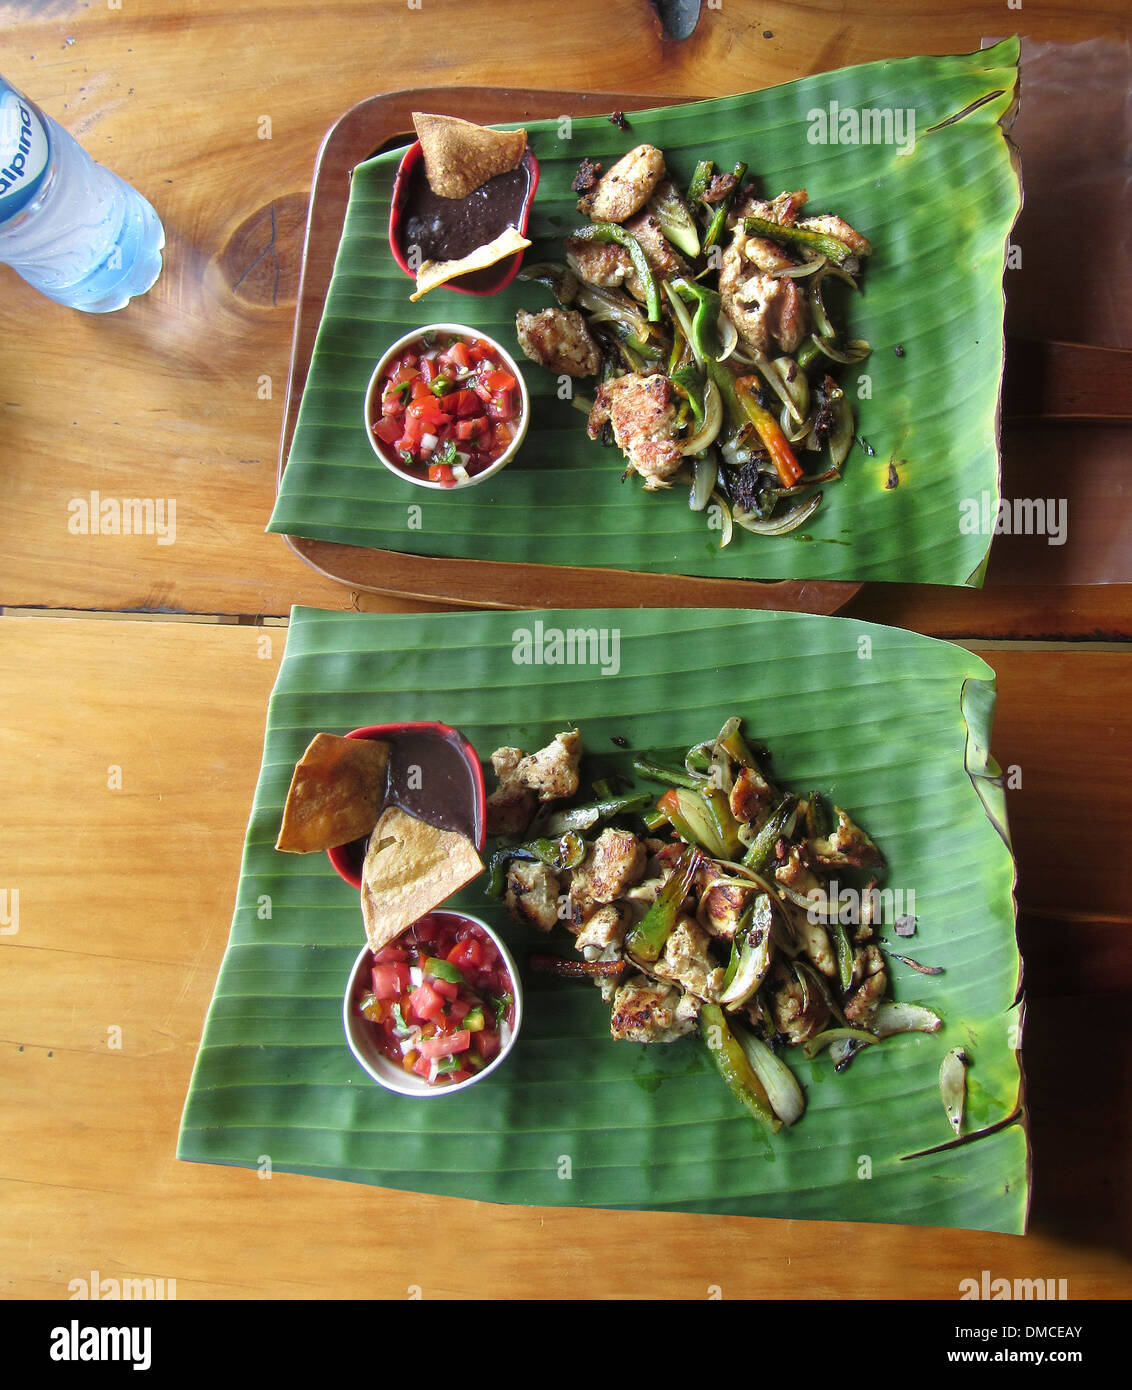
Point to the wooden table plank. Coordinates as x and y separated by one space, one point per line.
166 399
125 901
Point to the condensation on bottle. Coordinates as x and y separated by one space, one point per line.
68 226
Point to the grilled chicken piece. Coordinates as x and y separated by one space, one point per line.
558 340
616 861
605 264
761 307
869 970
509 808
663 258
644 424
814 939
532 893
797 874
784 209
751 797
604 933
642 896
721 909
686 961
647 1011
552 772
837 227
626 187
795 1012
847 845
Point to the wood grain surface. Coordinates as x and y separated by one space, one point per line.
125 897
126 893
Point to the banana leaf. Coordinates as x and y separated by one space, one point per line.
938 212
893 726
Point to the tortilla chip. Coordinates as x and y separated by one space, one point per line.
434 273
411 867
460 156
336 793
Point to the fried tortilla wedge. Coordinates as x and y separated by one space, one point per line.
336 793
433 273
411 867
460 156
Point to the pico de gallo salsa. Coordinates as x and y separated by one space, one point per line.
449 408
441 999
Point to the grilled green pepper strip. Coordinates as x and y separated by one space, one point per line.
736 747
701 177
691 383
647 940
818 823
566 852
729 1057
758 857
808 353
582 817
610 231
722 819
821 242
666 776
719 217
724 378
705 334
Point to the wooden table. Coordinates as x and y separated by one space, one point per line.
117 653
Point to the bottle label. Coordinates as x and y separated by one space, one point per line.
24 152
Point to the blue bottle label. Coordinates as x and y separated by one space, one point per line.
24 152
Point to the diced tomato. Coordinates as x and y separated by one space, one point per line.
410 1059
390 980
446 989
470 429
422 1067
446 1044
388 953
425 1003
460 1074
501 407
458 1010
486 1043
460 354
466 955
500 381
427 368
441 473
389 429
426 928
463 403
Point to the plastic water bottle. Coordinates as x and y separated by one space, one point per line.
70 227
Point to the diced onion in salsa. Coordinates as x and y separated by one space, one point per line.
440 999
449 407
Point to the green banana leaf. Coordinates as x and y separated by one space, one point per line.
938 214
894 726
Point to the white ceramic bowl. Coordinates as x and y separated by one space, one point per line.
362 1039
462 330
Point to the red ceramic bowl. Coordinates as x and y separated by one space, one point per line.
492 278
348 859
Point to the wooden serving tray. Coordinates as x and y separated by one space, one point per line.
382 122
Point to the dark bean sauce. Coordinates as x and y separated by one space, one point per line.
428 778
